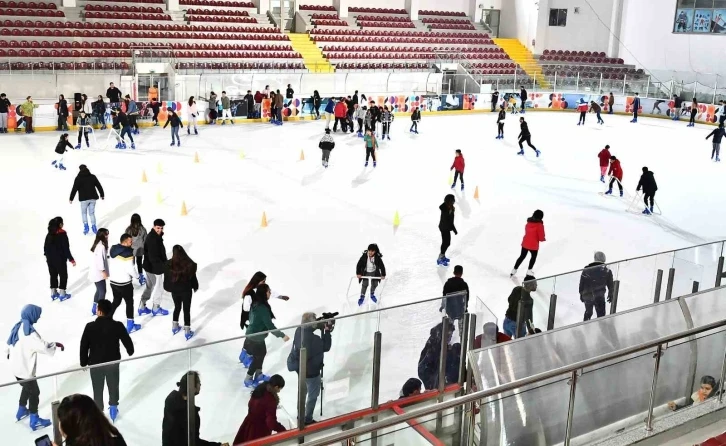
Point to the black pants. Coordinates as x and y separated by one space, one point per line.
386 128
374 283
599 304
155 118
500 128
458 175
58 272
599 118
610 109
635 114
125 293
445 241
583 115
317 110
351 124
82 132
523 254
722 119
132 122
526 139
414 125
139 262
694 112
30 394
258 351
182 300
108 375
615 180
360 125
62 122
343 124
647 196
370 152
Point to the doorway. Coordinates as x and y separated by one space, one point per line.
154 84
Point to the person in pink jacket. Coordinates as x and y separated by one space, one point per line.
534 233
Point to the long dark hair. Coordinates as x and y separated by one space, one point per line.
258 277
275 381
191 100
84 424
182 266
101 236
54 225
135 227
260 298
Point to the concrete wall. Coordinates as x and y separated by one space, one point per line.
588 30
519 21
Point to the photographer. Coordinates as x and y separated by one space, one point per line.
316 347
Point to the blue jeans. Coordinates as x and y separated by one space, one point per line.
127 131
175 133
88 207
313 385
510 327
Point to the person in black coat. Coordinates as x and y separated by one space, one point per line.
519 294
415 119
62 110
446 225
154 260
57 252
60 149
456 306
647 182
495 100
113 94
355 98
524 135
500 122
100 344
523 96
596 284
316 104
428 363
250 102
4 108
370 264
180 279
718 133
175 426
88 188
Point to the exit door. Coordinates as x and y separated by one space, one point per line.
154 85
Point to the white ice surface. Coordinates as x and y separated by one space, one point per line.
319 223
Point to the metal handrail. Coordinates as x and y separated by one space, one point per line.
539 377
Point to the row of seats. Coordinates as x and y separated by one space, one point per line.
32 12
411 49
412 55
507 65
336 22
376 10
29 5
228 12
494 71
381 66
64 66
605 76
145 27
117 8
118 45
137 1
351 39
126 16
573 53
468 26
215 3
593 69
239 66
451 21
320 16
386 24
442 13
316 8
368 32
578 59
221 19
382 18
155 35
124 52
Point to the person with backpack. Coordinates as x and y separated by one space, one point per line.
370 264
180 279
88 188
57 251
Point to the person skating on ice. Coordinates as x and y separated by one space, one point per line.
370 264
446 226
176 123
192 112
415 119
582 108
694 112
458 168
595 107
83 130
524 135
60 149
99 271
180 279
261 317
523 97
57 251
123 124
360 116
154 260
138 233
387 119
647 182
329 112
495 100
604 157
616 172
677 106
326 145
371 144
132 112
534 233
88 188
611 103
500 122
718 134
123 273
636 108
721 113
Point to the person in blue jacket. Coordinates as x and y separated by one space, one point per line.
329 109
636 107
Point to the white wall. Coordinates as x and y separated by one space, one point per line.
448 5
519 21
391 4
584 31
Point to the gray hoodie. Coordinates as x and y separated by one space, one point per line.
137 242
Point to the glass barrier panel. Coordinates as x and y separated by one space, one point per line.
637 282
402 433
707 257
541 297
484 316
686 273
570 309
707 307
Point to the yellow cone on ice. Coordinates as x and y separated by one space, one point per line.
451 177
241 155
184 208
476 193
396 219
302 155
196 157
159 198
143 177
263 224
158 168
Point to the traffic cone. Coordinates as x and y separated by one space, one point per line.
263 224
302 155
196 157
158 168
143 177
396 220
184 208
476 193
159 198
241 155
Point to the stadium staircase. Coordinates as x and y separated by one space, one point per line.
522 56
312 55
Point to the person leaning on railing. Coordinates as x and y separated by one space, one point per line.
261 419
596 282
709 388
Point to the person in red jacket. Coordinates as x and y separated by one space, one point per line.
582 108
458 168
617 174
604 157
341 115
261 418
534 233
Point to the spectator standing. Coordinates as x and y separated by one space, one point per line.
226 111
83 424
99 112
57 252
192 116
180 279
519 293
411 387
138 233
4 107
456 306
279 105
250 103
62 111
355 98
154 260
534 233
212 108
611 103
27 109
316 104
495 100
88 188
100 344
86 105
266 91
596 282
261 419
114 95
261 317
98 271
258 104
289 94
121 277
523 96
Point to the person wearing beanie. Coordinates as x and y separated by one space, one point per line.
604 157
647 182
616 173
326 145
534 233
154 260
88 188
519 294
411 387
596 282
718 133
458 167
446 225
370 264
61 148
123 272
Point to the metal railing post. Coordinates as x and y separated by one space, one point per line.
551 315
191 408
571 407
719 271
647 88
653 388
57 437
723 376
600 88
658 283
467 342
376 385
442 368
614 298
625 78
520 320
577 82
554 85
302 387
694 288
669 285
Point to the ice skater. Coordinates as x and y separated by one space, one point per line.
458 168
258 278
123 124
500 122
57 252
446 226
534 233
718 134
524 135
370 264
99 271
582 108
656 107
88 188
154 260
138 233
360 115
261 317
694 112
132 111
677 106
604 157
415 119
60 149
84 123
371 144
649 186
329 112
176 123
523 96
326 145
636 108
616 173
121 277
180 279
192 113
594 106
387 119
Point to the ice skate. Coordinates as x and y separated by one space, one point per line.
85 228
513 273
88 146
366 164
188 333
537 152
38 423
93 308
113 413
196 132
63 296
178 143
143 310
453 186
158 311
646 211
578 124
651 210
718 160
609 192
530 272
172 144
621 193
22 413
142 279
54 294
388 137
189 131
131 327
361 299
462 187
602 178
133 145
415 131
261 378
53 163
78 146
245 358
521 152
374 165
360 134
250 383
374 299
94 229
61 166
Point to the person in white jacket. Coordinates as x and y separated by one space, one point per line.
192 116
122 274
98 272
23 347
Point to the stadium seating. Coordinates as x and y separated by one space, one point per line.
29 5
124 16
226 12
442 20
584 57
441 13
25 12
336 22
316 8
215 3
357 9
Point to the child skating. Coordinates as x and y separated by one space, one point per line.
458 168
415 119
534 233
582 108
360 116
176 123
83 129
718 134
446 225
604 157
500 122
61 148
387 119
524 135
326 145
616 171
370 264
371 144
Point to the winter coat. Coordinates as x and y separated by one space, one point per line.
154 254
616 170
27 108
279 103
360 113
225 102
84 121
213 101
611 101
330 106
191 112
428 363
458 163
636 104
258 98
289 93
62 108
250 101
174 426
99 107
368 119
100 341
174 120
647 182
595 280
184 284
455 306
519 294
604 156
370 141
387 116
361 268
678 102
137 242
502 116
98 264
113 94
594 106
416 116
56 248
86 184
124 267
4 105
261 321
495 98
718 134
131 108
582 107
523 96
24 354
123 119
349 107
340 110
524 130
87 107
355 99
62 146
261 419
327 142
316 347
446 221
534 232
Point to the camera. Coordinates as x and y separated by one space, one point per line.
327 321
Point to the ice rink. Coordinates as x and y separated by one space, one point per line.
319 222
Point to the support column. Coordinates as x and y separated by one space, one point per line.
172 5
615 27
412 7
262 6
68 3
342 7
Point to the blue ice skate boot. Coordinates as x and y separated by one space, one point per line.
133 145
64 296
158 311
453 186
54 164
143 311
38 423
537 152
366 164
61 166
621 193
142 279
361 299
521 152
188 334
646 211
374 299
718 160
85 228
88 145
93 308
21 413
178 143
175 328
462 187
374 165
54 294
94 229
651 210
78 146
172 144
578 124
131 327
113 413
415 131
261 378
245 358
251 383
609 192
360 134
602 178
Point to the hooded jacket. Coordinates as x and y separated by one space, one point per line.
361 266
718 134
86 184
261 419
582 107
446 222
4 105
647 182
534 232
519 293
99 107
330 106
316 347
327 142
122 265
616 170
428 363
174 120
459 163
604 157
596 279
455 306
154 253
137 241
184 284
340 110
416 115
99 264
100 341
62 146
57 249
175 423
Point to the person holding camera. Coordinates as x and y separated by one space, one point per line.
316 346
